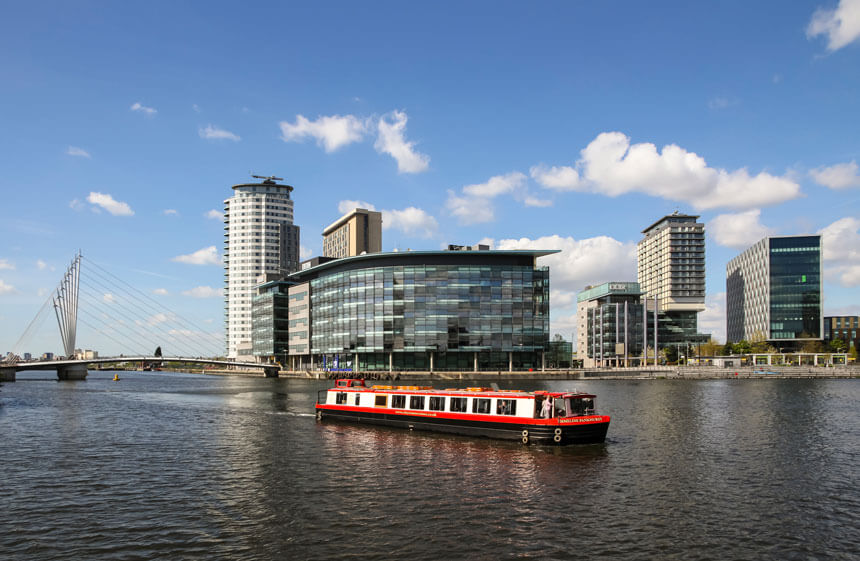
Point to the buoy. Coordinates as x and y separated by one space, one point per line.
116 377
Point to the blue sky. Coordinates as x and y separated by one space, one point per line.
565 125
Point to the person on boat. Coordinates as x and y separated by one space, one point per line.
546 411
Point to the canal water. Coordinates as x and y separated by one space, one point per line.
180 466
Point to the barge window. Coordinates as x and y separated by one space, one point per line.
381 401
481 406
416 402
437 403
398 401
506 407
357 398
340 398
459 404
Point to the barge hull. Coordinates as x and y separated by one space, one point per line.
590 433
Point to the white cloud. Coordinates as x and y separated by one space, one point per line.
391 141
581 262
205 256
76 204
840 245
713 319
170 212
331 132
739 231
476 207
721 102
839 176
195 107
6 265
6 288
160 317
305 252
470 210
560 178
841 25
80 152
41 265
203 292
214 214
611 166
160 291
108 298
148 111
411 221
108 203
214 133
497 185
347 206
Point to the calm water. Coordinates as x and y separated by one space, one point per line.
172 466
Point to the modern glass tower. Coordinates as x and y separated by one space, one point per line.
773 291
259 238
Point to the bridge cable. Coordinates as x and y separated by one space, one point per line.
185 323
118 306
175 318
34 324
138 330
139 305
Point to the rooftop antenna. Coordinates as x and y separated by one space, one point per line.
267 179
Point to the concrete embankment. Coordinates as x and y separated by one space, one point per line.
660 372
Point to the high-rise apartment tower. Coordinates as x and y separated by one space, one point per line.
259 238
671 270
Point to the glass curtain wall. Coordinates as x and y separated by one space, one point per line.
795 287
452 311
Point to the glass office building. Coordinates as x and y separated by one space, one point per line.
773 291
429 310
269 322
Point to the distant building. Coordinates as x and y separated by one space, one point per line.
259 238
846 328
47 356
356 232
609 325
671 274
28 356
773 291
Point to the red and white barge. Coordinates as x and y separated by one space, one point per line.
540 417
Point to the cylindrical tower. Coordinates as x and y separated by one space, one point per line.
259 238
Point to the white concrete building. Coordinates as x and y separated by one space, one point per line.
259 238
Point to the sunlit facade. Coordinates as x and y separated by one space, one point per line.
423 310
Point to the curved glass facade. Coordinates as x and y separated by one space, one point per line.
462 314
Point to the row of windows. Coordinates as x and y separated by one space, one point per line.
480 406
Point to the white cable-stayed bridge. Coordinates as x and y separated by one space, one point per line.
94 305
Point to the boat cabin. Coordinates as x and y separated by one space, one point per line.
509 404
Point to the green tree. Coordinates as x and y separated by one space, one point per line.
711 348
742 347
671 354
728 349
838 346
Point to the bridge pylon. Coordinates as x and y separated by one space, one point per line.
66 309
